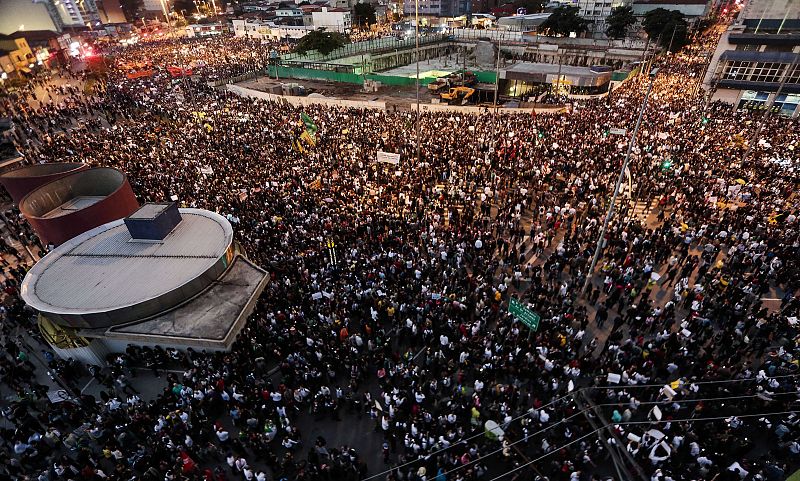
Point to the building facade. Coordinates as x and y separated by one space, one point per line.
20 55
757 62
259 29
439 8
338 19
689 8
597 11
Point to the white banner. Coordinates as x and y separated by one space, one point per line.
388 157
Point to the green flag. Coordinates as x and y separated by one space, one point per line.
311 127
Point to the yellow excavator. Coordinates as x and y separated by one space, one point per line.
458 95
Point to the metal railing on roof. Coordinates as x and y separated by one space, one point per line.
378 45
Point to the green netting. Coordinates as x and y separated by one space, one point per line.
352 78
314 74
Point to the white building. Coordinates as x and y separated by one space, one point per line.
338 19
267 30
597 11
206 29
289 12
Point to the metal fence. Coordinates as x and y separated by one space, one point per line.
375 46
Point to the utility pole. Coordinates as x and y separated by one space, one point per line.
497 77
616 450
557 83
416 54
610 212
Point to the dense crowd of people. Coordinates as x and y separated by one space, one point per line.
670 362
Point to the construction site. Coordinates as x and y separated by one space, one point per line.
504 68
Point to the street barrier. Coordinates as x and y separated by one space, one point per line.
303 101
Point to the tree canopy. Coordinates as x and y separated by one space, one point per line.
364 14
565 20
321 41
620 20
667 27
186 6
130 8
531 6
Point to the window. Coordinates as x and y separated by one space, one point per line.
755 71
778 48
786 104
764 72
794 77
753 100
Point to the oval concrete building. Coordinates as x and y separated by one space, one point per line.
105 277
21 181
163 275
75 203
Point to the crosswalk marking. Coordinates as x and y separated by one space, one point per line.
641 209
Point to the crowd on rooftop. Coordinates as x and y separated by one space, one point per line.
671 354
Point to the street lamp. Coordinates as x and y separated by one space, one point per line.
610 212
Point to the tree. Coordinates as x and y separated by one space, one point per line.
130 8
321 41
669 28
530 6
565 20
186 6
620 20
364 14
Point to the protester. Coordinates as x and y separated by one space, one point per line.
390 285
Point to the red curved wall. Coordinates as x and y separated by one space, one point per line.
19 187
121 203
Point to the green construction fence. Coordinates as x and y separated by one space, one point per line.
352 78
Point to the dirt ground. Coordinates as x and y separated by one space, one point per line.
404 98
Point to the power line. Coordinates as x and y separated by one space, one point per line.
638 386
469 438
481 458
713 418
555 401
564 420
679 401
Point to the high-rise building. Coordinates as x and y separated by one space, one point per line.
72 13
18 15
757 62
56 15
110 11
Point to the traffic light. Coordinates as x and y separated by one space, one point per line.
666 164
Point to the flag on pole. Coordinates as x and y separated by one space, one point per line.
311 127
308 138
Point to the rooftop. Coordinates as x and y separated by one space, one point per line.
211 318
104 270
149 211
34 34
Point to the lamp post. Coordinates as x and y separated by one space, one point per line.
610 212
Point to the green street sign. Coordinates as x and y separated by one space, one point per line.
525 315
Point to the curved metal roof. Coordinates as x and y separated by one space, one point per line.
103 277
